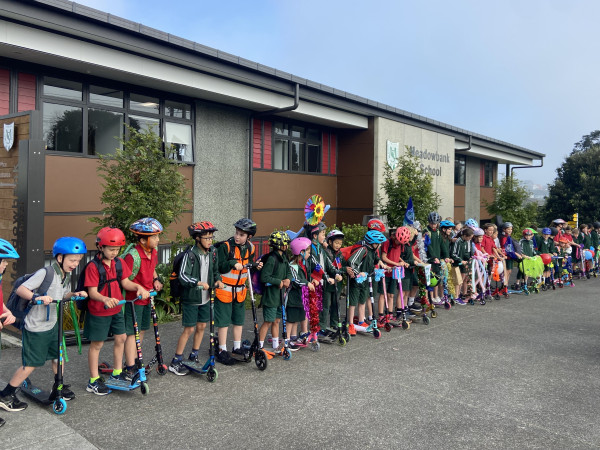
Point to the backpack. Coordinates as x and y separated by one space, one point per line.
82 305
347 252
19 306
175 286
137 261
257 285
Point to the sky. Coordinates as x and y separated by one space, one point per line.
524 72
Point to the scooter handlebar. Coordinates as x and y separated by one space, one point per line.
139 297
71 299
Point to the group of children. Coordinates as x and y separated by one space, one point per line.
303 274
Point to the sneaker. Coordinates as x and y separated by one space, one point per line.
323 337
12 403
299 343
225 358
67 393
293 346
178 368
351 330
239 351
98 387
460 301
119 378
415 308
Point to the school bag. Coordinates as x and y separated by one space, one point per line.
347 252
82 305
20 306
257 285
175 286
137 260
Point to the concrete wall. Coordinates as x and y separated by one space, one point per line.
221 177
435 150
473 189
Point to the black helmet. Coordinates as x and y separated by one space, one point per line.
246 225
596 224
434 217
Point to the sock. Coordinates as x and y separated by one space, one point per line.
370 318
237 344
411 301
177 358
223 348
193 354
9 390
294 338
261 344
130 368
275 343
117 372
93 380
398 311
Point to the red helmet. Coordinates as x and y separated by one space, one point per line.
113 237
376 224
201 227
546 258
403 235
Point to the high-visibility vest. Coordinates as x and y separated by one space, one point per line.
235 280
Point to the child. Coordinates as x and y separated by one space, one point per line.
8 400
413 245
104 312
527 251
142 261
362 263
294 311
585 238
510 248
433 239
276 276
234 255
391 255
547 246
198 275
40 332
335 240
402 238
461 252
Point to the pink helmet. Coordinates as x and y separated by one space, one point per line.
298 245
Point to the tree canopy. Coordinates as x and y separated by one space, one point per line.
511 201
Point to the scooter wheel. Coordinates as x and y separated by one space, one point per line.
453 302
471 302
315 346
347 337
496 297
287 355
341 341
260 358
59 406
405 325
425 319
388 327
482 302
212 374
376 334
144 388
433 314
162 369
447 305
103 366
553 287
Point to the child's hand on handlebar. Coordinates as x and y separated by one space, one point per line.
83 294
260 265
238 266
46 299
338 277
203 285
219 285
286 283
110 302
8 318
330 281
311 287
143 293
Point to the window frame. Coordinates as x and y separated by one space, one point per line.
457 159
305 141
488 168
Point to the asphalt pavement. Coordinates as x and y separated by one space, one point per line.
514 373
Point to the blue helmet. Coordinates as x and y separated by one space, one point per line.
69 246
546 230
375 237
471 223
7 250
146 227
446 224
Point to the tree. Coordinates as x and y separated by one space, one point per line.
407 180
576 188
139 181
511 201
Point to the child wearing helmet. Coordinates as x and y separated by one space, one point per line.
275 275
104 277
142 261
360 264
332 246
295 314
547 246
433 239
40 331
461 252
394 253
527 251
198 274
510 248
234 255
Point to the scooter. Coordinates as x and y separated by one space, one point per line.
372 327
286 353
385 320
208 367
54 397
161 367
398 274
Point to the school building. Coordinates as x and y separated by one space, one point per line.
255 141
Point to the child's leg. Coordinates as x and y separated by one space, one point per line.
182 342
21 374
198 335
119 346
304 326
361 312
262 332
93 356
293 328
275 333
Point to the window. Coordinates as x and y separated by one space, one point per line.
460 169
488 173
296 148
89 119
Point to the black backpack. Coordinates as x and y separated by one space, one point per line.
20 306
82 305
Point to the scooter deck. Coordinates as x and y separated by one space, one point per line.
38 394
121 385
196 366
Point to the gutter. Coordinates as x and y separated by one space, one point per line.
251 139
512 169
460 150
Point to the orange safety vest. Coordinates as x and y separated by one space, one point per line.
235 280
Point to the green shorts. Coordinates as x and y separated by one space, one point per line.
295 314
97 328
270 313
192 313
142 314
229 313
39 347
391 286
359 292
407 282
509 264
